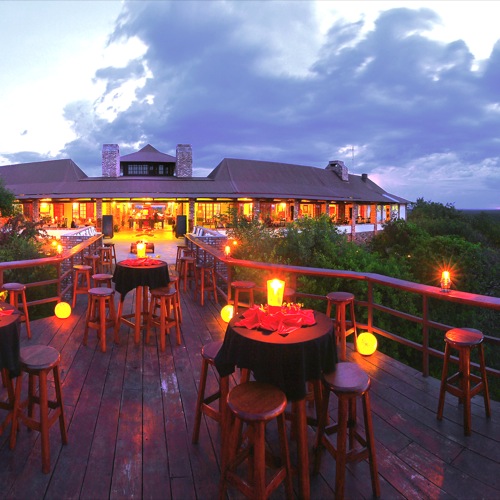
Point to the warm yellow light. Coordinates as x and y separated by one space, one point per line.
227 250
227 312
445 281
62 310
141 250
366 343
275 289
59 249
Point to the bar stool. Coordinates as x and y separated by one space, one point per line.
105 260
180 249
255 404
113 250
187 267
83 272
341 300
92 260
459 384
164 298
174 281
102 279
205 281
17 299
241 287
39 361
347 382
101 299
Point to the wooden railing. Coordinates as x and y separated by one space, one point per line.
225 267
63 266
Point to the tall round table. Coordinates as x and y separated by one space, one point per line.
138 274
286 361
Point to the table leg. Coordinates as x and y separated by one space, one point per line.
300 417
138 314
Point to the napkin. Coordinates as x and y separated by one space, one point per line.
6 312
281 320
142 262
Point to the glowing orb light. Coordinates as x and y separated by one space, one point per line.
366 343
227 312
62 310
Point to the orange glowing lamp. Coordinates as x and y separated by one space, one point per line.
366 343
445 281
275 290
141 250
62 310
227 250
59 249
227 313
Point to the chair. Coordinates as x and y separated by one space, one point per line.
242 287
101 314
348 382
164 298
187 267
255 404
464 340
17 298
39 361
81 281
341 300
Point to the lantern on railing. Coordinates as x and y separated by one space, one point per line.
62 310
275 290
141 250
59 250
227 250
366 343
445 281
226 313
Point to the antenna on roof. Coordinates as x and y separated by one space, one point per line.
352 157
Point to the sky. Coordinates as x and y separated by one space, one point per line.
407 92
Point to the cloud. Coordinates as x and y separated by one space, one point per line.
256 80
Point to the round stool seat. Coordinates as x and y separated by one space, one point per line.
163 291
101 291
463 337
82 267
243 284
39 357
102 278
347 377
256 401
13 287
338 297
210 350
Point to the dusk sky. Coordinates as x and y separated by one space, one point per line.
405 91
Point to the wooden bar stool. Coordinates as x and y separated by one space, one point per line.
180 249
113 250
205 281
255 404
101 314
81 281
341 300
187 267
92 260
242 287
459 384
105 260
102 279
348 382
17 299
39 361
174 281
164 298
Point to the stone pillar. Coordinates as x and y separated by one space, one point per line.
296 208
256 210
184 161
355 210
190 227
373 218
36 210
110 160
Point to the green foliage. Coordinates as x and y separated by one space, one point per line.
7 198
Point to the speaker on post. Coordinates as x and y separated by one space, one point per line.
180 226
107 226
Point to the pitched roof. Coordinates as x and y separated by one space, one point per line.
148 154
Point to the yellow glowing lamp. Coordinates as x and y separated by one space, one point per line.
59 249
62 310
141 250
227 312
227 250
275 290
445 281
366 343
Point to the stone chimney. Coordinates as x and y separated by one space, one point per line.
339 168
110 160
184 161
364 177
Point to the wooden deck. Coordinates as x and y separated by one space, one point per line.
130 415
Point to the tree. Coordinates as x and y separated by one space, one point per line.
7 199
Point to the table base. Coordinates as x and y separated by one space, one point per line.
141 311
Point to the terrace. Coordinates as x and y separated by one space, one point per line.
130 415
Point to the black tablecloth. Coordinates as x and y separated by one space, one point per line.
126 278
9 342
287 362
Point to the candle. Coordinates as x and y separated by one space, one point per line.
275 289
141 250
445 281
227 250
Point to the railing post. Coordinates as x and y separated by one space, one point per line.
425 336
370 306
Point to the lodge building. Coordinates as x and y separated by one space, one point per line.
150 187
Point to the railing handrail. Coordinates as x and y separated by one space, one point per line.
425 291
